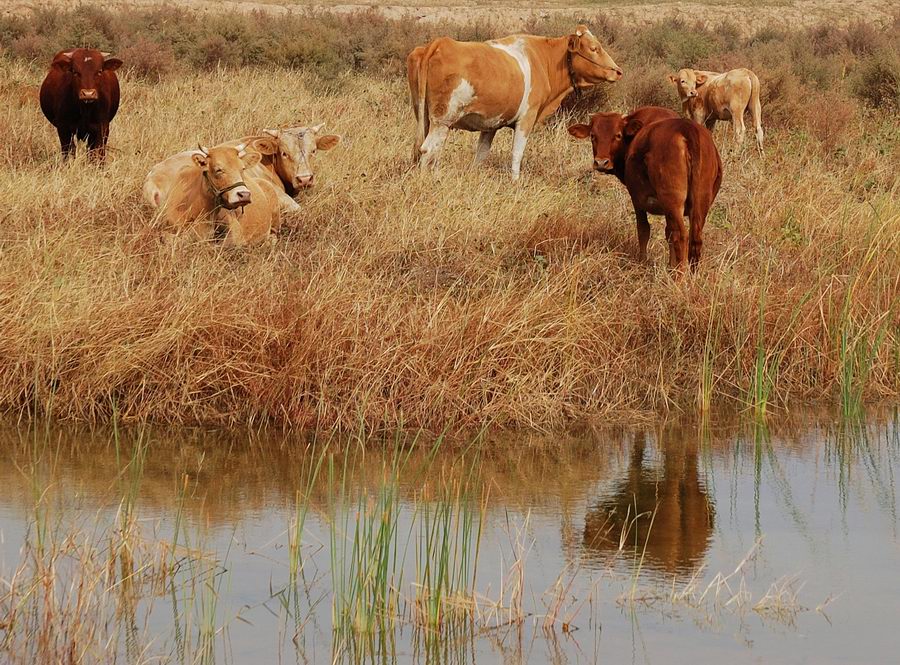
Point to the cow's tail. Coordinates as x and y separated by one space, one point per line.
756 110
419 89
700 195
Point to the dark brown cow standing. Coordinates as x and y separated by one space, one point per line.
80 97
670 166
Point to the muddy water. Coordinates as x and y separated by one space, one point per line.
676 544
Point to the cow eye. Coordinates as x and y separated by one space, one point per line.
220 171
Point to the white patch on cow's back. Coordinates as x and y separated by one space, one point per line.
517 51
460 98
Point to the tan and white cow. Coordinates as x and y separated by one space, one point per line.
512 82
289 166
217 191
710 96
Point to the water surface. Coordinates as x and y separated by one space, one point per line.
682 543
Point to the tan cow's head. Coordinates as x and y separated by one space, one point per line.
223 173
687 81
590 63
295 154
610 135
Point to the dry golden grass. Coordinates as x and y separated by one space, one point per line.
402 299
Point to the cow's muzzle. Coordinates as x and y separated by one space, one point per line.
304 181
602 165
88 95
237 198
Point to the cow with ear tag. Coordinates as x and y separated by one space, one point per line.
515 82
287 159
217 192
80 97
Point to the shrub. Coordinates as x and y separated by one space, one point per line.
877 81
831 119
148 59
647 85
864 39
32 47
673 43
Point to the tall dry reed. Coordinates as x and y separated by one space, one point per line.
397 299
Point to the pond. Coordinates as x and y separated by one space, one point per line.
687 542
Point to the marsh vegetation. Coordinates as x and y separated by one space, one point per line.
401 300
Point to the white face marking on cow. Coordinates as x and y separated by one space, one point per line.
517 51
460 98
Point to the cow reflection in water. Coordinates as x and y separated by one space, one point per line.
665 508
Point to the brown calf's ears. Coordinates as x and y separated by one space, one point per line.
327 142
701 79
632 127
199 160
579 131
111 64
673 78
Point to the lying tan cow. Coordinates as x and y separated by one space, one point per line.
512 82
217 191
289 167
710 96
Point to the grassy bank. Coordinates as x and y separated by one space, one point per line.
400 299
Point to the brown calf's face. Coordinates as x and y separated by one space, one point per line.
608 136
297 148
591 64
223 169
686 82
86 67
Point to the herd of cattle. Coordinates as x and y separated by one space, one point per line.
238 190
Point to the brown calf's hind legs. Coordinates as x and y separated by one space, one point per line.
643 233
678 241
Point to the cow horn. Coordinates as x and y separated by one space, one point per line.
271 132
202 150
317 128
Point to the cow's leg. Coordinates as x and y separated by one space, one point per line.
677 239
286 203
96 141
522 130
66 140
697 218
737 119
431 148
643 233
483 149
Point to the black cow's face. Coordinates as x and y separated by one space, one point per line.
86 67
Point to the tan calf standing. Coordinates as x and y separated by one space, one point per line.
710 96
